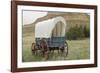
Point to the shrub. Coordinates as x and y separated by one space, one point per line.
86 31
76 32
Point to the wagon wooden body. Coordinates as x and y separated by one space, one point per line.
53 42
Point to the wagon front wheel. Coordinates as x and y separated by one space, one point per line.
66 48
34 49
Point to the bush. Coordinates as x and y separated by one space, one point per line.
76 32
86 31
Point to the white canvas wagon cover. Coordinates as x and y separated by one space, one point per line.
44 29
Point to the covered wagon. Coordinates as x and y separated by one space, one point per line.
54 32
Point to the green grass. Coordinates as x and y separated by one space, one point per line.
78 49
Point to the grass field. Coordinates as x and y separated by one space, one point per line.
78 49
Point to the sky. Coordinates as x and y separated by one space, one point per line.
31 16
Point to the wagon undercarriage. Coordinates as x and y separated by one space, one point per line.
54 44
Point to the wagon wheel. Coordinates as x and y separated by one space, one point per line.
44 49
66 48
34 49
